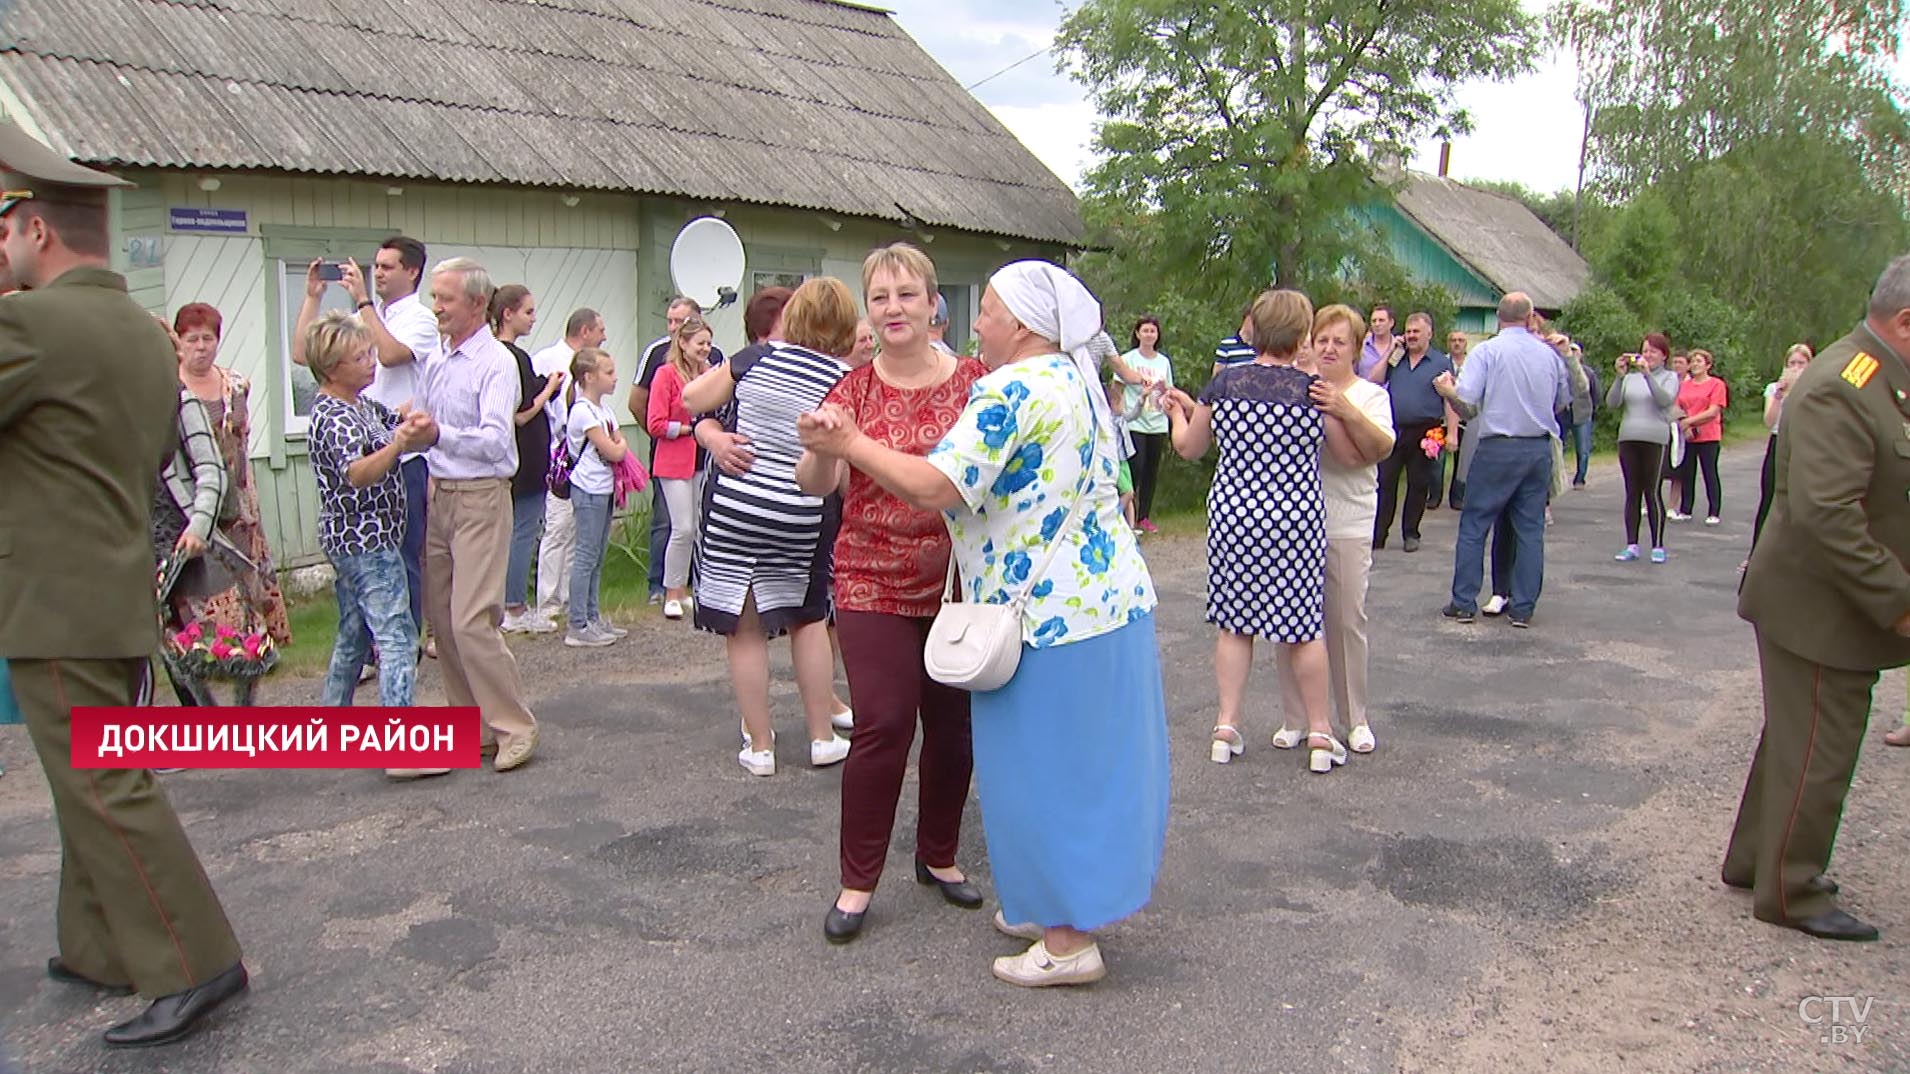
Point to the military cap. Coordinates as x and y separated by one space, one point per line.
30 170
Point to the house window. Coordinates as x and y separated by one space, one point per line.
961 314
303 388
760 280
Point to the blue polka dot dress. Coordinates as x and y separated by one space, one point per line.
1266 518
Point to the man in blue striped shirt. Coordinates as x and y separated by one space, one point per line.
1235 350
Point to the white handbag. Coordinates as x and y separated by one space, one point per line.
977 647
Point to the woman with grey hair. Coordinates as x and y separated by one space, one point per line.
1030 465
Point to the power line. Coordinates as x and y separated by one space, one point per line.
1043 51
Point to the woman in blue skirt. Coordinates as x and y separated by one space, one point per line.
1075 846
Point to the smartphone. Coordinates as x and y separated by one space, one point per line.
331 270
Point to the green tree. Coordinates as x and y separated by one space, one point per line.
1238 136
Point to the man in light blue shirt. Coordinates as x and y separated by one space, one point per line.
1514 385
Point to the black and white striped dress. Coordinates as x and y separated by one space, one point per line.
760 532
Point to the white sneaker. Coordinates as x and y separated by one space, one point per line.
1361 740
587 638
1495 606
605 626
543 623
1677 516
518 622
673 609
828 751
1027 930
1711 520
1036 968
758 762
844 720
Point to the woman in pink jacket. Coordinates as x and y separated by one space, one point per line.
672 426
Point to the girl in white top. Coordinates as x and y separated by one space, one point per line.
1148 427
1359 433
597 445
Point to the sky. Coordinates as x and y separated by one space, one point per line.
1526 131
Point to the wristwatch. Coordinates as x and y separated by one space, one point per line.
366 304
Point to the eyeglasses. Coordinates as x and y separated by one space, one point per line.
11 199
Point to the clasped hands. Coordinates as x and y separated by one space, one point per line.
416 430
828 430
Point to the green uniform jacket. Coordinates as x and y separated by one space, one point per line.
89 386
1827 580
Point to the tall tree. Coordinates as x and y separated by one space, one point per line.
1237 135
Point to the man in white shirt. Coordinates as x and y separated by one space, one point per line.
585 328
472 393
406 335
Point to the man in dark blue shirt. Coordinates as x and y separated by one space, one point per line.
1417 410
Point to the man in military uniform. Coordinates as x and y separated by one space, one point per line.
1828 590
88 397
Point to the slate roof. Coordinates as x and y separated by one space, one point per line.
1497 237
803 103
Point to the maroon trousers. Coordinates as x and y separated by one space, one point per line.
887 688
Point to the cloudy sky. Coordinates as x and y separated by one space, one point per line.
1527 131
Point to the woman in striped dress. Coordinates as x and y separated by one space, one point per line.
763 557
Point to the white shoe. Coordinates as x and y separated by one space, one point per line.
1711 520
518 622
1027 930
758 762
1495 606
543 623
673 609
1227 744
1286 738
1036 968
1677 516
1323 758
587 638
844 720
415 773
605 626
828 751
1361 740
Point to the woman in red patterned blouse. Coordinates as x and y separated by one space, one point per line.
891 560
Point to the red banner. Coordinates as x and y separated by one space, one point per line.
290 737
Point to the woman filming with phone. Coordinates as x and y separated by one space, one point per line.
1644 392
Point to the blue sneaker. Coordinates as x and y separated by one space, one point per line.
1657 555
1628 555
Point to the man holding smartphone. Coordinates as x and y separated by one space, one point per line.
406 334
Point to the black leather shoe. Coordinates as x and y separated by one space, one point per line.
1834 925
960 892
1820 883
173 1017
840 926
65 974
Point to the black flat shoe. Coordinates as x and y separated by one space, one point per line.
1834 925
960 892
840 926
173 1017
1820 883
65 974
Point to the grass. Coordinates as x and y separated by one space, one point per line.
625 594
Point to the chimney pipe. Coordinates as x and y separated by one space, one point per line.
1445 158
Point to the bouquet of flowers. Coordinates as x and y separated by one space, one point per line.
221 653
1434 443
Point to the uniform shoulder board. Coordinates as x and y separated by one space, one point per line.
1860 370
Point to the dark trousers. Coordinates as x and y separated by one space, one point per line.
659 532
1639 462
1766 487
1408 457
1509 477
135 906
1814 719
888 688
1505 552
1707 458
1146 465
417 479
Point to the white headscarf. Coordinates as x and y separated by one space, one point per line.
1054 305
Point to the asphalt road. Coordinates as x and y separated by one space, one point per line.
1521 878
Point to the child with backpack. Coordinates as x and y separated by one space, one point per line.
595 443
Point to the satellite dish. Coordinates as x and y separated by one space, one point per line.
706 262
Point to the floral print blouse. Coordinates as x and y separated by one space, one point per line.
1017 455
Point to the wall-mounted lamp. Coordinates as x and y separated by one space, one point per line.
1004 245
393 191
208 184
570 201
830 223
719 213
925 237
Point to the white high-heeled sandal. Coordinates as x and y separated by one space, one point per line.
1227 743
1323 758
1286 738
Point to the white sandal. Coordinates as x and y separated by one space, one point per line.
1286 738
1361 740
1227 744
1323 758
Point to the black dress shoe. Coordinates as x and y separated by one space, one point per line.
841 926
173 1017
65 974
1834 925
1820 883
960 892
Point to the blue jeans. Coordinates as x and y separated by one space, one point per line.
411 547
527 525
1510 477
659 534
592 511
371 603
1581 440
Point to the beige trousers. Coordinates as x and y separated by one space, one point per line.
467 547
1348 562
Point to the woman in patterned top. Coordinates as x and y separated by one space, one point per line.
1266 530
355 445
762 565
890 562
1076 845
